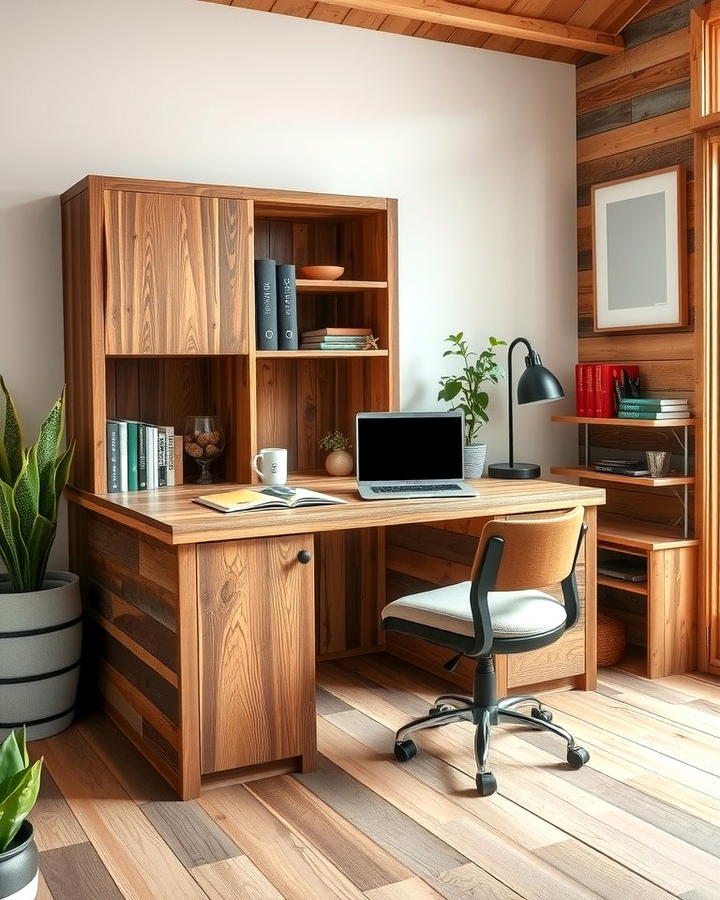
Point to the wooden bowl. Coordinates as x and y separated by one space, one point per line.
321 273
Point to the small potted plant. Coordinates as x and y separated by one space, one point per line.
40 611
19 786
338 461
465 391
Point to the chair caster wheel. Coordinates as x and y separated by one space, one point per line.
405 750
441 708
577 757
543 714
485 783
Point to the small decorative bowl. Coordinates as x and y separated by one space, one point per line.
321 273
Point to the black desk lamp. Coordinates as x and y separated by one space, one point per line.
536 385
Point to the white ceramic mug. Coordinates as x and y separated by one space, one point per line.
271 465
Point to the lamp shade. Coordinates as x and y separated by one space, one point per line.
538 385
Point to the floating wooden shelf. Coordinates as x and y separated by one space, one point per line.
320 286
645 536
632 587
319 354
643 481
625 423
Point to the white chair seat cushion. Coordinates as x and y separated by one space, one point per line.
512 613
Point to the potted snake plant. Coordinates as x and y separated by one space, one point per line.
19 786
466 392
40 611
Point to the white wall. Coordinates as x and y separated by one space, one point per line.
478 147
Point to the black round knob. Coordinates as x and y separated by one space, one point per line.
304 557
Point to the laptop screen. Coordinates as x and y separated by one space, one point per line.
409 446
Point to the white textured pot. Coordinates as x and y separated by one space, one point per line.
475 460
40 646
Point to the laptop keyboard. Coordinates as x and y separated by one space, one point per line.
401 489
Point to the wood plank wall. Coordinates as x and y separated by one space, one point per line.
633 117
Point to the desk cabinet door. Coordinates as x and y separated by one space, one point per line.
257 652
177 274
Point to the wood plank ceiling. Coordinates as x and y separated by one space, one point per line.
562 30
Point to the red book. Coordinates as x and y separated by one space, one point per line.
589 382
606 374
580 390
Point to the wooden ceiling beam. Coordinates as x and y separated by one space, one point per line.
444 12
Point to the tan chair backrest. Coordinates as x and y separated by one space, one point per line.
538 552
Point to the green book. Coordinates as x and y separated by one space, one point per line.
142 457
132 431
651 404
632 414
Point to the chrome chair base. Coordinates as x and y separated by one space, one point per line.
449 708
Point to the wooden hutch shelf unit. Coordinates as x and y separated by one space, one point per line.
202 630
659 613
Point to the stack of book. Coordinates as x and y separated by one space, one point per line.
631 467
140 457
647 408
275 306
336 339
599 387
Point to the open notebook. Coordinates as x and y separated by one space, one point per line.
266 498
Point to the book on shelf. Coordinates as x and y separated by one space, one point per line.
141 457
287 307
266 316
112 449
132 457
653 415
623 569
335 346
266 498
630 471
338 332
599 386
647 404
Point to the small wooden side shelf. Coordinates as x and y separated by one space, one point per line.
659 613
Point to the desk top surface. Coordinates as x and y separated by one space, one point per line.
169 514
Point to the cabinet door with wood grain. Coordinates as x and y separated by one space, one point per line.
257 652
177 274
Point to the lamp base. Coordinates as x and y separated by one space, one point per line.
517 470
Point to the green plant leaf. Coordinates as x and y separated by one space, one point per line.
21 738
48 443
38 549
62 470
16 556
12 437
18 794
12 757
27 493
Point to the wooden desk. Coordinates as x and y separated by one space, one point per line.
202 626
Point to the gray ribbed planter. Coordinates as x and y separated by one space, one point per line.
475 460
19 867
40 638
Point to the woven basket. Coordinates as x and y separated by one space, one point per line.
610 640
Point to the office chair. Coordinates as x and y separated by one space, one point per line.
500 610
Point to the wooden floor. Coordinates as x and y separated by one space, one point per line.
642 820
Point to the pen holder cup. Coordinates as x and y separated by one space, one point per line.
658 462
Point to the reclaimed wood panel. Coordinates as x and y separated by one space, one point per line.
177 274
257 652
648 82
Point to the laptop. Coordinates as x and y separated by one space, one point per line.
410 455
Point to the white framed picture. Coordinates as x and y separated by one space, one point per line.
640 279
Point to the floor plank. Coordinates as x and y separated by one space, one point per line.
641 820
